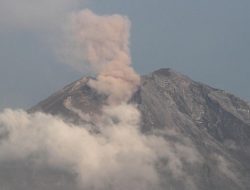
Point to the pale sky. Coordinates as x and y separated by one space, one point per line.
208 40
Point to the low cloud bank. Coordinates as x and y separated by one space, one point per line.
117 157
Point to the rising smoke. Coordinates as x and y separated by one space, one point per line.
102 42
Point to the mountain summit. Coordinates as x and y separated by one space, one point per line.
207 130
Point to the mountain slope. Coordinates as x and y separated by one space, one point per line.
207 130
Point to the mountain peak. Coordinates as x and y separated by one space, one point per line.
217 124
165 71
171 74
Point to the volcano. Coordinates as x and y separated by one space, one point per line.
184 112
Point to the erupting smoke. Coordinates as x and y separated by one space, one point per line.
102 41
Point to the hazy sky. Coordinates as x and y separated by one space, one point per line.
208 40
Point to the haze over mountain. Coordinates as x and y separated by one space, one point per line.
207 131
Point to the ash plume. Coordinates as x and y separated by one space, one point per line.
103 42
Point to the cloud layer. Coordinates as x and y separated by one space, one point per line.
118 157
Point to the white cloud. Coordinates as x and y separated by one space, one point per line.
34 13
119 157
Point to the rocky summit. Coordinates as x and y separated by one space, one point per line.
207 130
